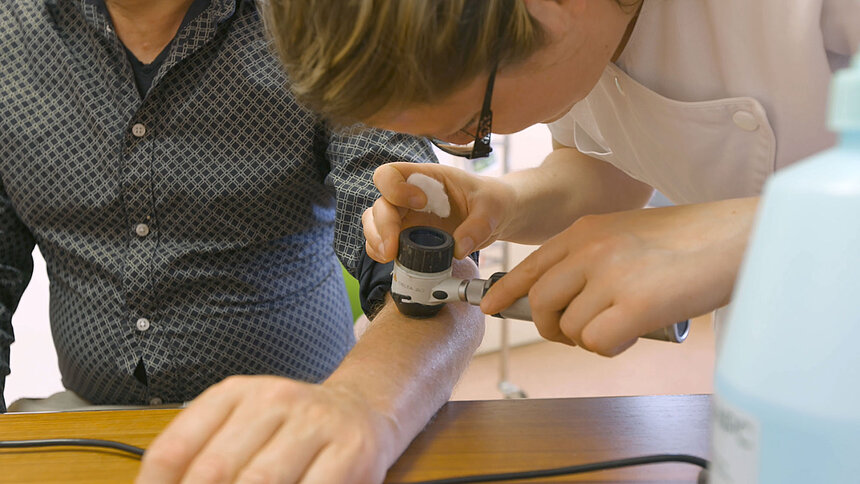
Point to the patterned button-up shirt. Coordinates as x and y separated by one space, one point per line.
189 235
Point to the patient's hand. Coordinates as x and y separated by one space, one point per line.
272 429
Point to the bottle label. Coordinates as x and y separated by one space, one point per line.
735 445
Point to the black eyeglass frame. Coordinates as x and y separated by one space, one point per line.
481 147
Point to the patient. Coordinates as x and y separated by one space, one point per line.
192 217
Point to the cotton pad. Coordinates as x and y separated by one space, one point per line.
437 199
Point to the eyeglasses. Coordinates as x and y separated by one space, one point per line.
481 146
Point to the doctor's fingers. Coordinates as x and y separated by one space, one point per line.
557 287
390 179
372 240
549 327
579 312
549 298
382 224
519 281
615 329
475 232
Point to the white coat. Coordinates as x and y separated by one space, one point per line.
710 97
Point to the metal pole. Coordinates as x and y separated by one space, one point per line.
508 389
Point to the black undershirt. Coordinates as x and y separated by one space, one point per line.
144 74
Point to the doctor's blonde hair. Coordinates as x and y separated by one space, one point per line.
352 59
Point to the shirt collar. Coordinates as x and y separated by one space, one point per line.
223 9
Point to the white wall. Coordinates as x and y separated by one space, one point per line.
34 361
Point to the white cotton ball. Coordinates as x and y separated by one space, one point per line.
437 199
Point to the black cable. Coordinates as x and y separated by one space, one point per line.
577 469
505 476
105 444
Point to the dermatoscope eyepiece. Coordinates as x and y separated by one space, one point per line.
424 258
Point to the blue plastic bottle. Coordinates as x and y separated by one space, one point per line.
787 387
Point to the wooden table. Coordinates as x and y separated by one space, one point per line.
464 438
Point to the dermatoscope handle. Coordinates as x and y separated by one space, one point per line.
520 309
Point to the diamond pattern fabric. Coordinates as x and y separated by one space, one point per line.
215 208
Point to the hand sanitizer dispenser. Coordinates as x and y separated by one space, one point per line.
787 383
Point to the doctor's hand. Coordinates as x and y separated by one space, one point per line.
481 208
609 279
272 429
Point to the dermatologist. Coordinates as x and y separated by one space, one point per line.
699 99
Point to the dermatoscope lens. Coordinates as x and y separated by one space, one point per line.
427 238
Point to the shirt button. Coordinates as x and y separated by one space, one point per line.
141 230
142 324
138 130
745 120
155 401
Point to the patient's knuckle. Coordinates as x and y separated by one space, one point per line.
169 455
258 475
212 467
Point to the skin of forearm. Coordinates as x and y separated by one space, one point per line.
565 187
406 368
